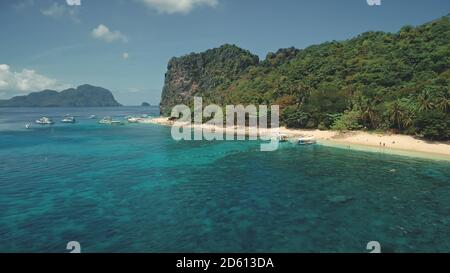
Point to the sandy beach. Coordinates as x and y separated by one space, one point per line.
358 140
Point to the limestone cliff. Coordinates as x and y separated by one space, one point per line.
200 73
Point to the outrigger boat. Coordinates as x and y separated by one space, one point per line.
44 121
307 140
282 138
68 119
133 120
105 120
110 121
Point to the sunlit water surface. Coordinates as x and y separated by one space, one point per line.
133 189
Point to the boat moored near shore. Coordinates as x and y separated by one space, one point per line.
106 120
133 120
68 119
44 121
109 121
307 140
283 138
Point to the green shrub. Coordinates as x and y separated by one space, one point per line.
350 120
433 125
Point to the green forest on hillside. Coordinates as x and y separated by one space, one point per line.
376 81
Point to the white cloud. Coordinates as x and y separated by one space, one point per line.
102 32
73 2
26 80
125 55
56 10
178 6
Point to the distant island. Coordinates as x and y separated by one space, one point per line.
145 104
82 96
377 81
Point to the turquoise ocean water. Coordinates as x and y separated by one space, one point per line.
134 189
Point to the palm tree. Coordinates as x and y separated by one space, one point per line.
368 111
443 102
396 114
425 101
410 109
407 120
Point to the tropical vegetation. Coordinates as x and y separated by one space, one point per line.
375 81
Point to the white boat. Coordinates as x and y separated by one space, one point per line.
133 120
282 138
44 121
307 140
110 121
92 117
105 120
28 126
68 119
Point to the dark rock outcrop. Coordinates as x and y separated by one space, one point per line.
199 73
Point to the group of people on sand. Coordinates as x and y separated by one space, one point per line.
384 144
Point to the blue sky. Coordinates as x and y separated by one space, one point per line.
124 45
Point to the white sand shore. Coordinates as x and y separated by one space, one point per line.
390 143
